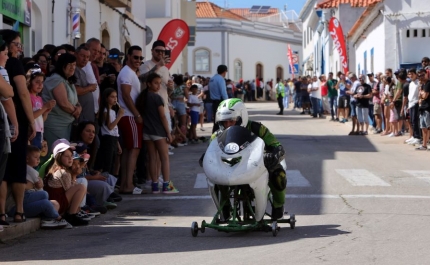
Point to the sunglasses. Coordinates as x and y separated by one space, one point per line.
159 51
421 75
113 56
138 57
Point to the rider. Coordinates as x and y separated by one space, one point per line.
233 112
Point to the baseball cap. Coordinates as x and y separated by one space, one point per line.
86 157
76 156
61 145
115 53
158 43
81 147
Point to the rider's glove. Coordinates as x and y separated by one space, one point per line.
274 156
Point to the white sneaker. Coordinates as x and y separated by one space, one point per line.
391 135
171 153
182 144
408 140
414 141
53 224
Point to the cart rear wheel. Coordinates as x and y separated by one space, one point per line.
292 221
275 228
194 229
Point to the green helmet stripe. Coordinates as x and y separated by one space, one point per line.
233 102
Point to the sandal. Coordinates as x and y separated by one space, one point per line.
3 222
22 219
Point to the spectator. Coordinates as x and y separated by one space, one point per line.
207 100
218 91
7 109
352 86
386 98
267 89
297 94
35 78
332 97
315 95
69 48
306 100
413 107
196 81
41 60
325 104
424 107
362 94
36 200
377 109
55 54
130 125
179 94
280 93
150 106
84 89
111 114
92 73
344 100
16 169
396 103
194 103
60 87
62 188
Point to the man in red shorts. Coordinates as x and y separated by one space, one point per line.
131 123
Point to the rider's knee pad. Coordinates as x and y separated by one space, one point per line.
278 179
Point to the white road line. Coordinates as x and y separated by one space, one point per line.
420 174
201 182
361 177
288 196
296 179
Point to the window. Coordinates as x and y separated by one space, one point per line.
408 33
237 70
201 60
423 33
415 33
304 38
259 70
371 59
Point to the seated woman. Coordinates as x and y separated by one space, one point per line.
100 185
60 187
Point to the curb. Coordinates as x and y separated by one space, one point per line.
15 230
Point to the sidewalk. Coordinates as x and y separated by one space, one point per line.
15 230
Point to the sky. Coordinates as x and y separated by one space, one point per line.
296 5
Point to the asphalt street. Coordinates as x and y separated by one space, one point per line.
357 200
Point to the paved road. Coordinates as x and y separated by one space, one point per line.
357 200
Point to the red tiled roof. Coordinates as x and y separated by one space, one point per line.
210 10
245 12
354 3
361 19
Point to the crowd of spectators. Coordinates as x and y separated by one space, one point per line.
81 127
391 104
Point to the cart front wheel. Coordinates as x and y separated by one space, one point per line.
194 229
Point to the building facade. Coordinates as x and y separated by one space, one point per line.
117 23
249 48
391 34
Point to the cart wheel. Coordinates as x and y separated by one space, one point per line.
275 228
292 221
194 229
203 228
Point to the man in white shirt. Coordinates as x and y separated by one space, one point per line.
158 65
413 106
131 123
315 94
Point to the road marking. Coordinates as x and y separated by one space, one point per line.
288 196
361 177
420 174
296 179
201 182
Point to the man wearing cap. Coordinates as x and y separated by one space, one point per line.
218 90
107 74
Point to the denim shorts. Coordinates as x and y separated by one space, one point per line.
353 108
179 106
424 119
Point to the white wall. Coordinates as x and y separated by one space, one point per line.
212 42
374 39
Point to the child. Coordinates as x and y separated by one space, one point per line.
108 121
36 200
194 103
35 78
157 134
61 188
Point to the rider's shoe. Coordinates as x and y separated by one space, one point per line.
277 213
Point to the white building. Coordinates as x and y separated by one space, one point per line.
159 13
391 34
117 23
247 46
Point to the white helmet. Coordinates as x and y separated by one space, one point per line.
232 109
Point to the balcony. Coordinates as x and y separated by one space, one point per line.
116 3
